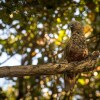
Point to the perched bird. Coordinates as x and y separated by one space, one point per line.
75 50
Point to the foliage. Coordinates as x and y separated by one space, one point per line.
38 29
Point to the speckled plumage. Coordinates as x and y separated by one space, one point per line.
76 50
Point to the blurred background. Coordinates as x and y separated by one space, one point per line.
35 32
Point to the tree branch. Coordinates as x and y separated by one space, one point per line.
50 68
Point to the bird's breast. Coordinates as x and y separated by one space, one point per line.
77 51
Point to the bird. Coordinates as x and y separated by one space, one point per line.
75 50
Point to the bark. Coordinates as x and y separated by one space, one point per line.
50 68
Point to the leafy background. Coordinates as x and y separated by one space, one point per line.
36 31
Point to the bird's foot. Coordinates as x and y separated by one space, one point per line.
63 61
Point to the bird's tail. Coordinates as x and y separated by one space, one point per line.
69 81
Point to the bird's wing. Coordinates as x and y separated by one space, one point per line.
66 50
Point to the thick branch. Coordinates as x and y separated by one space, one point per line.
48 69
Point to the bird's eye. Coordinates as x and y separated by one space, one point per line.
78 33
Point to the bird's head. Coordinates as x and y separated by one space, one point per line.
75 26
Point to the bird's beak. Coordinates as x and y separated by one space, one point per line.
70 25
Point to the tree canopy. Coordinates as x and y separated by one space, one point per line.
37 30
